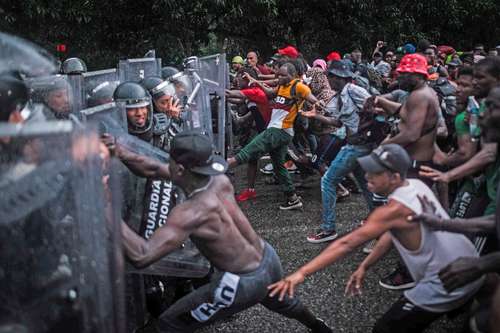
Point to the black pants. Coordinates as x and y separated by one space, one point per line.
405 317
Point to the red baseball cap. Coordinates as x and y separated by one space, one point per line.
289 51
333 56
413 63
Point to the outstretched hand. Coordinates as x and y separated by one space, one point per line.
310 114
249 78
428 215
286 285
460 272
355 282
434 174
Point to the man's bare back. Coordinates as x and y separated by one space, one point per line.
419 116
213 221
224 235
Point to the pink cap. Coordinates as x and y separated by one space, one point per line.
320 63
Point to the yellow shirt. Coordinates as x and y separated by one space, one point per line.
285 107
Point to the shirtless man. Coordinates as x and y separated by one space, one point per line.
419 114
424 250
245 264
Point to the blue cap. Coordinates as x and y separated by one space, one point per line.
409 48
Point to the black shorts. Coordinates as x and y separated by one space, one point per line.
405 317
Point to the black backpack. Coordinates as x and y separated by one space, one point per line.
370 130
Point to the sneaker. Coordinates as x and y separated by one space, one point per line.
321 327
322 236
291 167
293 203
369 246
267 169
398 280
247 194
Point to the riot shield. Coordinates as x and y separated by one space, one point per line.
19 55
138 69
91 80
60 255
109 118
207 103
213 71
59 96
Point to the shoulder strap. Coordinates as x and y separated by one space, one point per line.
293 89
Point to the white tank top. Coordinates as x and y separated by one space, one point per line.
437 250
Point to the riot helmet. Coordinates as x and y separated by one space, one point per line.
101 94
157 87
13 95
138 104
55 92
169 71
73 66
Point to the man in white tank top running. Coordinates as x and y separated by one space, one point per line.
424 250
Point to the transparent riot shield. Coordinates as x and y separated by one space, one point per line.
77 86
213 71
109 118
24 57
92 80
206 105
60 254
56 96
138 69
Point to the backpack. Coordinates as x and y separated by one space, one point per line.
447 100
371 130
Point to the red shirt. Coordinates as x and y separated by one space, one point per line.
263 70
259 97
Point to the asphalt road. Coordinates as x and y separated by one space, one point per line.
324 291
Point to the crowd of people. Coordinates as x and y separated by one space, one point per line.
414 129
408 129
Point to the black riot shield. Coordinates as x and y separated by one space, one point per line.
56 96
61 267
138 69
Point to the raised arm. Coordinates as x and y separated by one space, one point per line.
476 225
142 253
270 92
313 114
140 165
380 220
389 107
234 94
478 162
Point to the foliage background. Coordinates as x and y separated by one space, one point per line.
100 32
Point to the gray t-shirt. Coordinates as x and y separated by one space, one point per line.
352 98
437 250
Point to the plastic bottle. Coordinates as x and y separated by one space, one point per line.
473 109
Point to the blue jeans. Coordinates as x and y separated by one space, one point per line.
344 162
